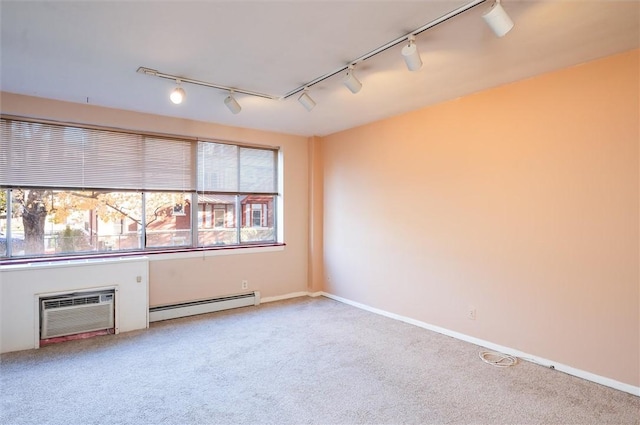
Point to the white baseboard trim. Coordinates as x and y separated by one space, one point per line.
612 383
284 297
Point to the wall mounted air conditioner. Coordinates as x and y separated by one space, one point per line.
76 313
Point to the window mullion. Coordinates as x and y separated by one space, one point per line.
143 221
9 238
239 211
195 225
239 218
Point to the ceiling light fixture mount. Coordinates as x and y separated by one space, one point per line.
232 103
411 55
178 94
306 100
351 81
498 19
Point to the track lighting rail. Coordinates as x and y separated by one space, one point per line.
387 46
496 18
155 73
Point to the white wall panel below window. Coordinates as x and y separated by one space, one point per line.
22 285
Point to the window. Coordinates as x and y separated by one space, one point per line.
50 222
219 222
71 190
163 226
258 218
219 214
256 215
236 178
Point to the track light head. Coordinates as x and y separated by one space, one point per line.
306 101
497 19
178 94
232 104
351 82
411 55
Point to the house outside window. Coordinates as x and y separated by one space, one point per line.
219 215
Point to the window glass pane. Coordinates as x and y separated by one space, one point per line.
217 220
16 241
168 219
258 218
50 222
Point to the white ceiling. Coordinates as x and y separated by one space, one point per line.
89 51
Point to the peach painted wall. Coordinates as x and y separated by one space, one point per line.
521 201
175 280
316 194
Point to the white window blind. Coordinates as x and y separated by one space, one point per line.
217 167
236 169
47 155
257 171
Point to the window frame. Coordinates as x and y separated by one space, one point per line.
197 221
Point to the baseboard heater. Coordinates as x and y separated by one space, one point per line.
174 311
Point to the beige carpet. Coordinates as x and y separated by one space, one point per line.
302 361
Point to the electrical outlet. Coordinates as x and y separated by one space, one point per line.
471 313
245 284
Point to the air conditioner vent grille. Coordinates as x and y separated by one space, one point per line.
68 302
